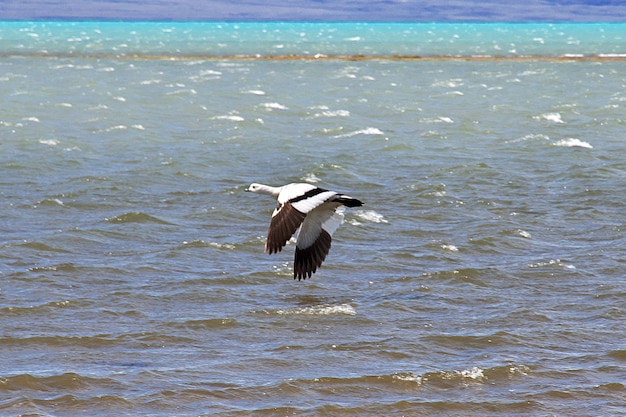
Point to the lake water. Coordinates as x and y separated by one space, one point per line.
483 276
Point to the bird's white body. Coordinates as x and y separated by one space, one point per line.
317 212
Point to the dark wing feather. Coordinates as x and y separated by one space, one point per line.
347 201
307 260
284 223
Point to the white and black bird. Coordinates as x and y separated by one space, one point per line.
316 211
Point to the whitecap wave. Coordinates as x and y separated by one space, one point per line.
371 216
472 373
321 310
552 117
552 263
116 127
439 119
231 117
408 377
181 91
573 143
530 137
198 243
366 131
311 178
274 106
333 113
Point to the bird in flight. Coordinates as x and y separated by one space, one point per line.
316 211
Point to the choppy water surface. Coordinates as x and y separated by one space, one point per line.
484 275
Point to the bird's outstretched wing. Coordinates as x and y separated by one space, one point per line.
285 221
315 238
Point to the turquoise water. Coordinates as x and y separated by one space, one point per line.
483 276
310 39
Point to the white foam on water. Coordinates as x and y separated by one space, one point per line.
552 263
573 143
231 117
366 131
321 310
409 378
475 373
519 370
274 106
202 243
371 131
311 178
530 137
371 216
552 117
116 127
439 119
181 91
333 113
472 373
210 72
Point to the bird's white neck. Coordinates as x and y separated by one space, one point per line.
265 189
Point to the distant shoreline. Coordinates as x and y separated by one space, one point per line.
323 57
